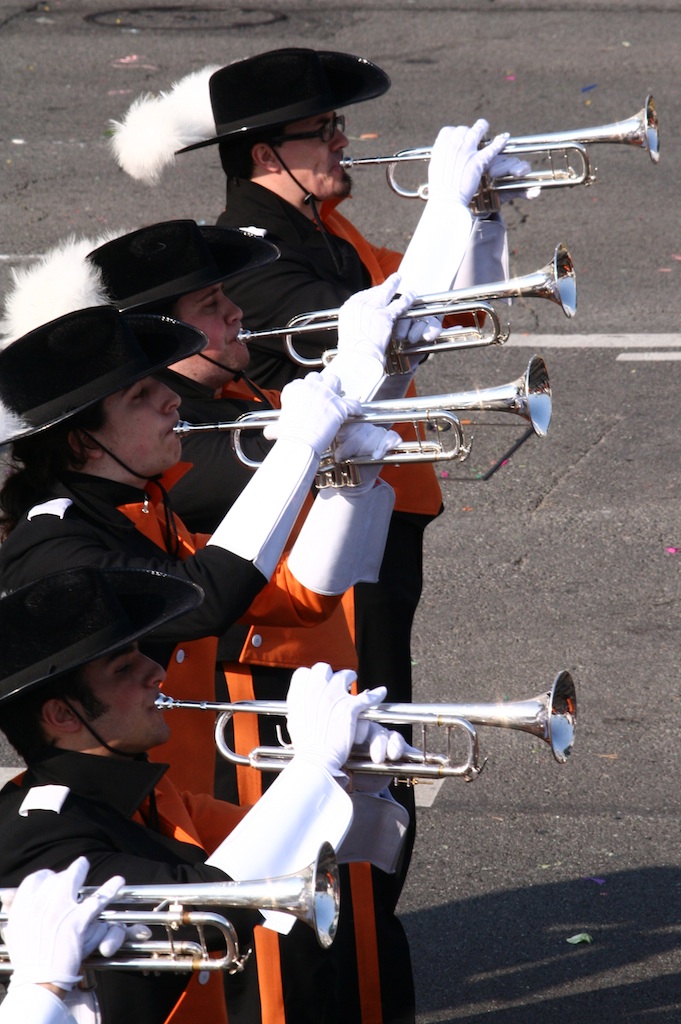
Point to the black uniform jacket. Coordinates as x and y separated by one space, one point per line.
217 477
95 822
91 531
315 271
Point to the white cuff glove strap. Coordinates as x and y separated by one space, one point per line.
379 825
259 522
360 374
437 248
343 539
303 808
486 258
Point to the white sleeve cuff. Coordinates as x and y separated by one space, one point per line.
303 808
33 1004
259 522
434 255
379 825
486 258
343 539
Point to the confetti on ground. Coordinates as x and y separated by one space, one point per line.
609 757
467 508
664 270
444 474
676 256
369 135
510 78
598 881
581 937
133 60
588 88
672 551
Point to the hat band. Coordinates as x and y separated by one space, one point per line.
282 115
70 658
174 289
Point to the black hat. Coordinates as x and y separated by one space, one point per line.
69 618
165 261
272 89
73 362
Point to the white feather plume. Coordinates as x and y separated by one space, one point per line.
60 282
144 143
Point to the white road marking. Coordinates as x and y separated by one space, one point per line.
624 341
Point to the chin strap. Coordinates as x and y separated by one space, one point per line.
93 732
234 374
311 200
172 538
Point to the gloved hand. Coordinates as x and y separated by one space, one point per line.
365 439
412 331
512 166
322 715
456 164
49 933
381 745
366 319
312 411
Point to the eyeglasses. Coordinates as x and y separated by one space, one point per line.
326 132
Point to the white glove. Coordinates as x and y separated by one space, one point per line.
366 319
366 440
512 166
456 164
322 715
412 331
381 745
312 411
49 933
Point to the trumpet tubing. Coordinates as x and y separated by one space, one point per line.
551 716
311 895
555 282
566 150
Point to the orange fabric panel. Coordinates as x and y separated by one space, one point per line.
269 979
366 942
191 742
201 1004
286 601
246 733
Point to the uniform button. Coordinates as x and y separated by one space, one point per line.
179 656
256 640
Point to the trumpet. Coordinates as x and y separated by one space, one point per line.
555 282
569 162
551 716
312 896
529 397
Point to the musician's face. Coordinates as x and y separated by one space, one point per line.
138 430
220 320
127 684
314 163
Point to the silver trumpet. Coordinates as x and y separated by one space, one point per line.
555 282
529 397
569 162
550 716
312 896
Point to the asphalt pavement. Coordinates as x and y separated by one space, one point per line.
568 555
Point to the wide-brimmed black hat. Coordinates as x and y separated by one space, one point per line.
165 261
274 88
69 618
71 363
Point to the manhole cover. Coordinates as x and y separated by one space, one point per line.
183 18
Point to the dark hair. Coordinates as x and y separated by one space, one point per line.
20 717
236 154
38 461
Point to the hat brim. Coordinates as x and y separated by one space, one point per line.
351 80
147 598
233 251
163 341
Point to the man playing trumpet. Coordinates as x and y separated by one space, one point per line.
77 700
